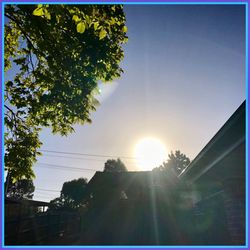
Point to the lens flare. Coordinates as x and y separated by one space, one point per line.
150 152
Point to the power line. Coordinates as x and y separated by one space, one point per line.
69 157
67 168
91 155
45 195
50 190
86 159
60 167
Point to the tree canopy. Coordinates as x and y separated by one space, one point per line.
22 189
177 161
114 166
58 54
72 195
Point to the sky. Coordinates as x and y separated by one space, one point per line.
184 76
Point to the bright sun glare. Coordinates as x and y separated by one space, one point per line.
150 152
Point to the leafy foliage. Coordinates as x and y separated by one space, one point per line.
114 166
22 189
21 144
75 190
61 52
57 204
72 195
176 161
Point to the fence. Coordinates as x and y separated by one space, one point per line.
43 229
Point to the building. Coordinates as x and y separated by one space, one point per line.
28 222
204 205
132 208
218 179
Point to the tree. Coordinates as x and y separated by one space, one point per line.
22 189
75 190
114 166
72 195
58 54
58 204
176 161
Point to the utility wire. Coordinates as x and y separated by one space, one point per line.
91 155
67 168
50 190
85 159
69 157
60 167
46 195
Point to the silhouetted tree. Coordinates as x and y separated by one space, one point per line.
21 189
176 161
75 190
57 203
114 166
72 195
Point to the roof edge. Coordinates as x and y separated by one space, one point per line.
227 125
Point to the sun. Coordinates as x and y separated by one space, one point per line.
150 152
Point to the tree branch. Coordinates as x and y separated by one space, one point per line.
24 33
15 117
31 62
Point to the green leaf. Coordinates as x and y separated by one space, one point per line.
125 40
80 27
125 29
47 14
102 34
96 24
76 18
38 11
112 21
87 19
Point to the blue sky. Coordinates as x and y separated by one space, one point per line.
184 75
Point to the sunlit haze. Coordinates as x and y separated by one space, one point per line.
150 152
